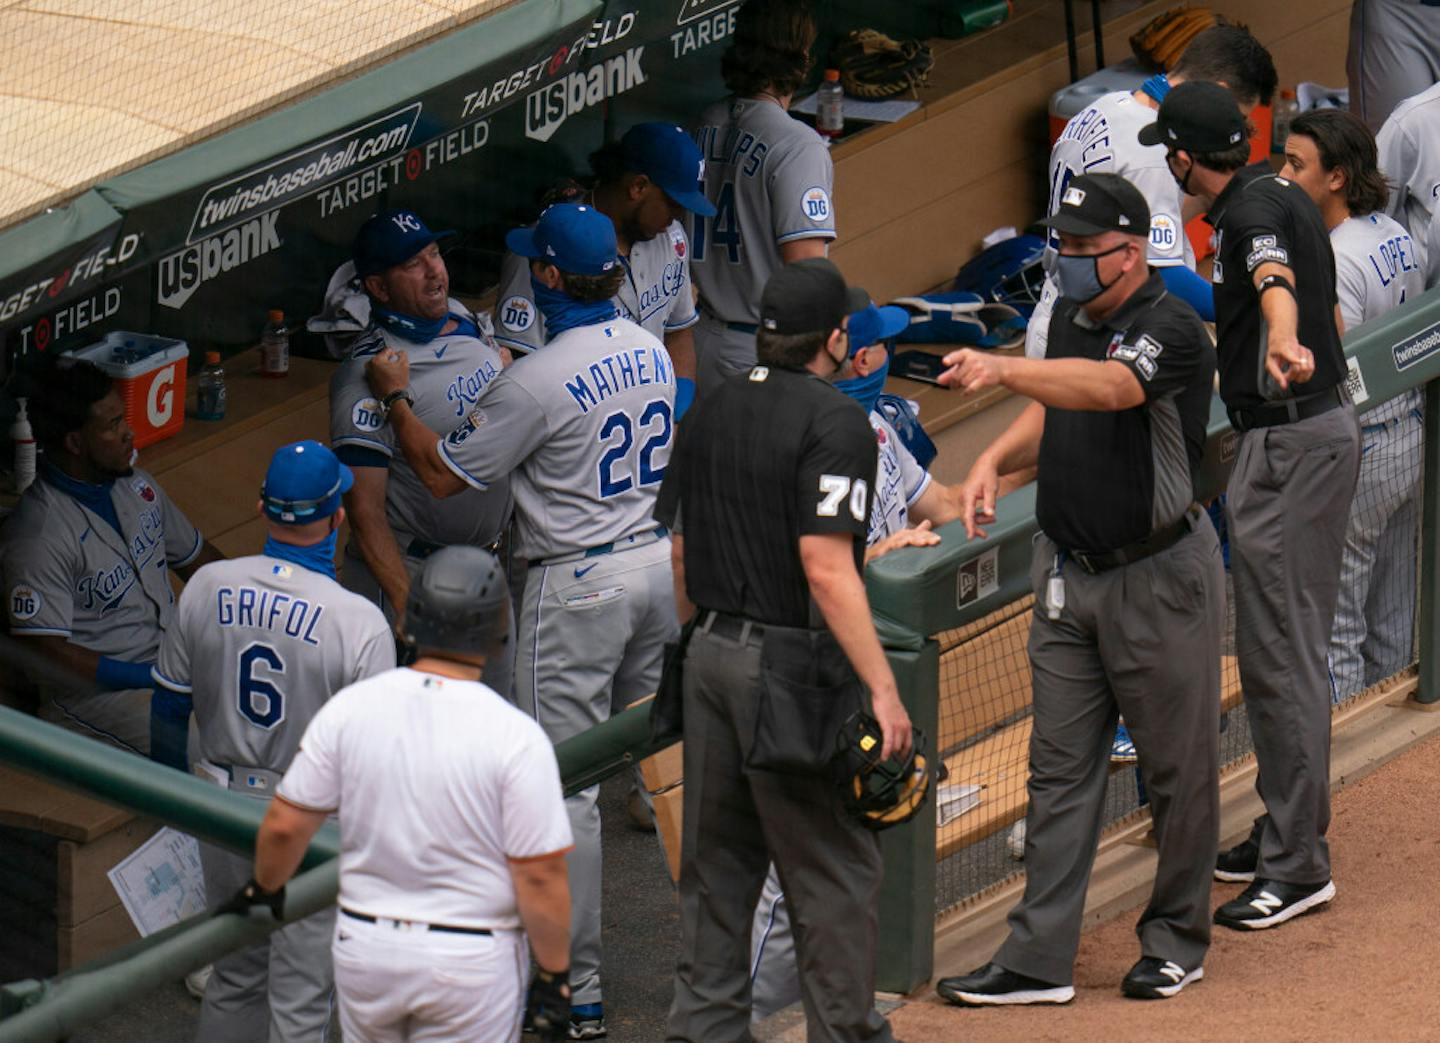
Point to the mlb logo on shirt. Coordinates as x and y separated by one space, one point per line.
143 490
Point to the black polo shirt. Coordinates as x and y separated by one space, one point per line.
1261 217
1107 479
766 458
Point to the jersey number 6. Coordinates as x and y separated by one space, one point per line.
655 424
260 702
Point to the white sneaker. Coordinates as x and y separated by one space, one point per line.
1015 842
196 981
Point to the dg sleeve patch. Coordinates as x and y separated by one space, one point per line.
25 602
815 204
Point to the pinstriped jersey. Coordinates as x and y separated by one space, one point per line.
770 178
585 426
259 645
447 377
68 573
655 295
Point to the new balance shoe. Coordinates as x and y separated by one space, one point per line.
1155 979
587 1021
1122 747
197 980
993 985
1239 863
1269 903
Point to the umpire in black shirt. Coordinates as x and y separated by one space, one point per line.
768 497
1129 596
1282 375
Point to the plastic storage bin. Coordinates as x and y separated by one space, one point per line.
150 372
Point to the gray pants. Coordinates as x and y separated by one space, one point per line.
120 719
1288 506
1142 640
1374 632
735 822
720 352
356 576
1394 54
592 633
774 973
283 989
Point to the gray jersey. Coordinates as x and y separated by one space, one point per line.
1409 146
259 644
68 573
586 427
656 292
447 377
770 178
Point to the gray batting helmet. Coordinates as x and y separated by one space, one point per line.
460 602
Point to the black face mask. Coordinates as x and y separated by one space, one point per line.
1183 182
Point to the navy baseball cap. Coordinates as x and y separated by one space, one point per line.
1198 117
574 237
669 157
808 296
304 483
390 238
872 324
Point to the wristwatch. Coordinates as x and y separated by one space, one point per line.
388 402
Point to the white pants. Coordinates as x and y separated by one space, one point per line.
398 985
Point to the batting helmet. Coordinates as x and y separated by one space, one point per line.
880 793
460 602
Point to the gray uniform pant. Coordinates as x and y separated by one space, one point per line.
1142 640
1374 632
120 719
774 973
282 990
735 822
720 352
592 633
356 576
1394 54
1288 506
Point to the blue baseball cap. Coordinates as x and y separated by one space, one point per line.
872 324
574 237
389 238
304 483
669 157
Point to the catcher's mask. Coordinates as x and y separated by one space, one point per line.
1010 272
879 793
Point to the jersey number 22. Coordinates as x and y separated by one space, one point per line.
617 434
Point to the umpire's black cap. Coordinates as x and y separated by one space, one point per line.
1198 117
1095 203
808 296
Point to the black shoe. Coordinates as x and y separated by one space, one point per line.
1239 863
1156 979
1269 903
993 985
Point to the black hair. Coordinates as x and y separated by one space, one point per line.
62 392
788 350
591 288
1230 54
1345 143
610 166
1226 160
770 49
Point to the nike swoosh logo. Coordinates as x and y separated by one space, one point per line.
580 573
440 351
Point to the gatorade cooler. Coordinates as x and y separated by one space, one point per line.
150 373
1068 102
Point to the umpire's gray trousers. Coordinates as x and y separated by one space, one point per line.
735 821
1142 640
1288 507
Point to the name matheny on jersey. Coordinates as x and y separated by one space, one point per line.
620 371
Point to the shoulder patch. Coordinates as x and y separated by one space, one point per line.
1259 256
1162 232
517 313
816 204
25 602
476 420
759 373
677 240
1146 366
143 489
367 415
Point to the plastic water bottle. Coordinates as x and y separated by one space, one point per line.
1286 109
830 105
24 440
275 346
210 395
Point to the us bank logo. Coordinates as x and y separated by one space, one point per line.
550 106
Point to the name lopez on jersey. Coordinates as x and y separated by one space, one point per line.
268 610
621 371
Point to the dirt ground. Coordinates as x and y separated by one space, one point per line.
1366 967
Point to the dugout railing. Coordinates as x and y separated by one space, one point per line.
951 617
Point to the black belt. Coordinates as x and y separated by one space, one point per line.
1160 539
443 928
421 549
1287 411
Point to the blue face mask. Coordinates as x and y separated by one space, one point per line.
408 327
1079 277
1156 86
866 390
318 557
563 312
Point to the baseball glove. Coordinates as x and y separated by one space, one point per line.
1161 42
872 65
